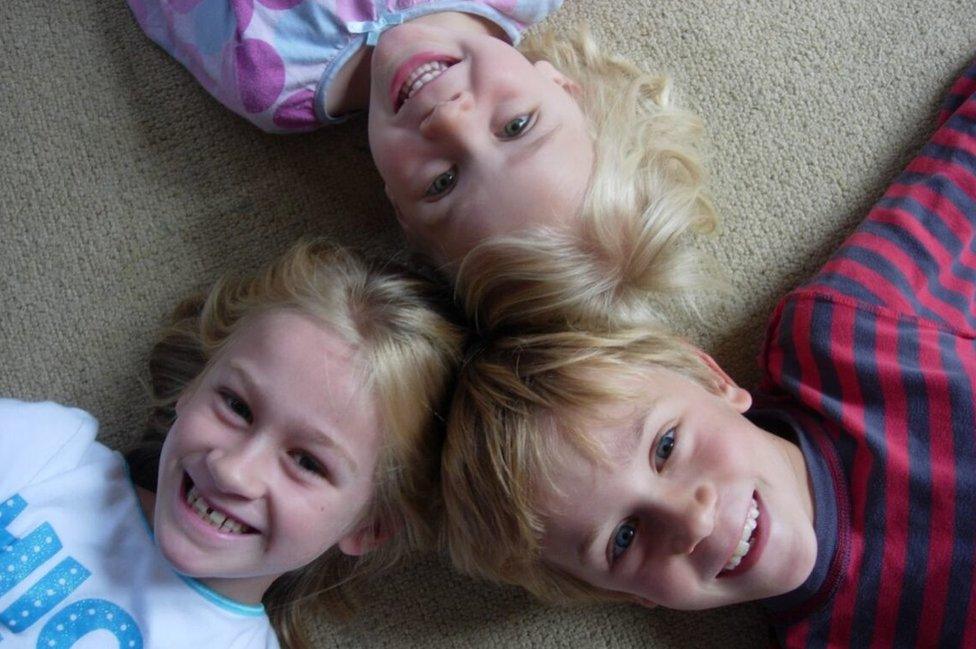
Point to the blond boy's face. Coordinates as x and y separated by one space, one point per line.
487 144
668 518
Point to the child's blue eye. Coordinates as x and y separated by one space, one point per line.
515 127
622 539
237 406
442 184
665 447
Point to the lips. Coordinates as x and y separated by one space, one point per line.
414 73
755 540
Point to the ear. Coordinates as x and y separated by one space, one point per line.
725 387
367 538
549 71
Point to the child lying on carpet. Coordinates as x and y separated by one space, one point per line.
572 163
301 444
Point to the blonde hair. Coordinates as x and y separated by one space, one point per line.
646 192
409 350
518 401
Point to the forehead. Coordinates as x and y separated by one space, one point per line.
283 337
304 370
586 445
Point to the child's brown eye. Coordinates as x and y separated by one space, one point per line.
237 406
308 463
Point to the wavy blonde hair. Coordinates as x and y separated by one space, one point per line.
518 402
409 347
646 192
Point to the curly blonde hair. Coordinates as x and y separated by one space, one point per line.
409 345
646 192
519 400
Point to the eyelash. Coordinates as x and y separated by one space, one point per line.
235 404
669 438
318 469
433 194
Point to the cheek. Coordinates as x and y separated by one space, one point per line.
394 153
719 455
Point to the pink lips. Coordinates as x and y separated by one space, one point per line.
759 537
406 68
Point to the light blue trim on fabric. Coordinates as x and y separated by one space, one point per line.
331 70
375 28
249 610
226 603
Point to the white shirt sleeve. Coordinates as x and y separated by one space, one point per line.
40 440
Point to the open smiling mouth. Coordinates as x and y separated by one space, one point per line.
747 541
219 520
419 77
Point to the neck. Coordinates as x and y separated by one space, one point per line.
798 464
350 88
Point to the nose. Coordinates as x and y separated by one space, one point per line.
238 469
450 119
687 518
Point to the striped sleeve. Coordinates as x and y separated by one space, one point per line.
915 252
880 346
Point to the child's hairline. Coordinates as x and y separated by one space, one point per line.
561 429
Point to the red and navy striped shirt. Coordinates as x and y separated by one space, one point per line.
872 364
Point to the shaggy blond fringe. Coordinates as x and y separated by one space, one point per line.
518 399
409 349
646 192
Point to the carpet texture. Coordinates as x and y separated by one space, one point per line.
123 186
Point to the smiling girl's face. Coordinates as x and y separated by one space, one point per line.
270 460
695 507
472 139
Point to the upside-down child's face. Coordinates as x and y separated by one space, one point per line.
472 139
270 460
695 506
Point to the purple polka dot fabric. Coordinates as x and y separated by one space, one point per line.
271 61
260 74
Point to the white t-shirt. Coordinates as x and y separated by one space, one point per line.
78 565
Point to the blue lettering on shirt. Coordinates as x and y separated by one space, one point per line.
85 616
9 510
19 558
44 595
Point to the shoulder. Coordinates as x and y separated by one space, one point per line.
40 439
25 416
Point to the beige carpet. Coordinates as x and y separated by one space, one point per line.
123 186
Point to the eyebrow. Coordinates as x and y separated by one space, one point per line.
306 430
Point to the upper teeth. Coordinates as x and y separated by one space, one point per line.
742 549
420 77
218 519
